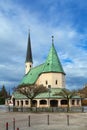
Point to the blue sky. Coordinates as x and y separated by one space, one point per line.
65 19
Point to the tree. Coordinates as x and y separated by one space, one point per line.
31 91
3 95
66 94
83 92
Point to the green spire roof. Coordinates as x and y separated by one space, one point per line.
29 52
52 63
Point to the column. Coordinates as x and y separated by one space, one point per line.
70 102
75 102
59 103
16 103
19 103
23 103
38 103
48 103
29 103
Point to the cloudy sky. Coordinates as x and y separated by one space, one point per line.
65 19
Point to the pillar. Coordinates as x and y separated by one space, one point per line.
59 103
38 103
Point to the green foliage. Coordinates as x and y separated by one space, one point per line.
83 92
3 95
84 102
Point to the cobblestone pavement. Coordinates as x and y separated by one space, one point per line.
41 121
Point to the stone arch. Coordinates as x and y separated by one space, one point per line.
64 102
53 103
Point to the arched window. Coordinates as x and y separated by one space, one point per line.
73 102
17 103
43 102
64 102
54 103
34 103
78 102
26 102
13 101
21 103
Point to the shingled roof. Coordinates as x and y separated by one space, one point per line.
45 95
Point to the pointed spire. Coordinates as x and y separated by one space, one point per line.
53 63
29 51
52 39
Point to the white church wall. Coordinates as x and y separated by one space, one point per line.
56 80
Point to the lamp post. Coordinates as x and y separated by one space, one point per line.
49 90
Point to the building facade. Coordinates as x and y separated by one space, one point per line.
49 74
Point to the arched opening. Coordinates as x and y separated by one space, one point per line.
64 102
21 103
78 101
26 102
34 103
54 103
17 103
43 102
13 101
73 102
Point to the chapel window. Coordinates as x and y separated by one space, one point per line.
56 82
46 82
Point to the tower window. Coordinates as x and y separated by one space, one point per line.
56 82
46 82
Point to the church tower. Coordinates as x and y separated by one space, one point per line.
52 74
29 60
